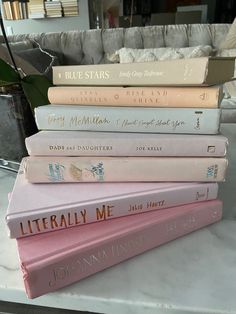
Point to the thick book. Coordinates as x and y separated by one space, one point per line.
195 97
194 71
128 119
54 260
124 169
35 209
82 143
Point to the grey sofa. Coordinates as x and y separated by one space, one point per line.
95 46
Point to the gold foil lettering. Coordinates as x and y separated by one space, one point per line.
135 207
84 120
54 223
45 222
37 224
56 120
104 213
155 204
69 222
22 229
63 222
29 226
83 214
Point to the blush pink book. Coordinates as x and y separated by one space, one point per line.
54 260
35 209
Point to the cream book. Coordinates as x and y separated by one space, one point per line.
124 169
185 72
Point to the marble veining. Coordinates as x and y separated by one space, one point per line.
194 274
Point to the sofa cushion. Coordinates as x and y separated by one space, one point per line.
128 55
25 66
20 45
230 40
40 59
199 35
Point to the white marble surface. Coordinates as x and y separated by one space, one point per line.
194 274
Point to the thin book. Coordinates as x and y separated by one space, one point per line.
83 143
178 72
180 97
55 169
35 209
126 119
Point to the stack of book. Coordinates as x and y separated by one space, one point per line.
36 9
15 10
70 7
53 8
148 154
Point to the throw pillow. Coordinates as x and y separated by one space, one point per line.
129 55
230 39
25 66
40 59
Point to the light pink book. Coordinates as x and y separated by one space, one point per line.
54 260
124 169
202 97
74 143
35 209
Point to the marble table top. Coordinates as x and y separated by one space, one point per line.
193 274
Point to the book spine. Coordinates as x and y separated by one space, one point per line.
100 210
120 169
204 97
174 72
58 272
126 119
125 144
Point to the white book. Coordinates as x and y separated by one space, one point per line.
128 119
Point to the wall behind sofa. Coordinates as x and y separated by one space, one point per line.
80 22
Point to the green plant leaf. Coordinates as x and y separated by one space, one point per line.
7 74
4 83
36 89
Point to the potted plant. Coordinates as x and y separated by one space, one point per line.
19 95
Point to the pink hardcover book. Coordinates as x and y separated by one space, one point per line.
74 143
54 260
122 169
205 97
35 209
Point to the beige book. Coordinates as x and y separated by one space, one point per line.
183 72
16 10
7 10
185 97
